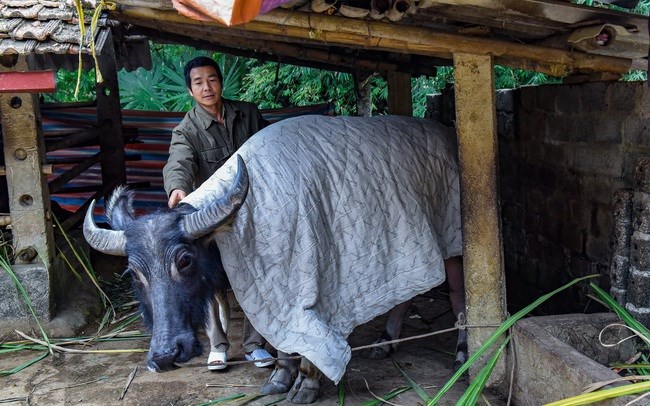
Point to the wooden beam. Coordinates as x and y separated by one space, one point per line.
365 34
478 157
399 94
111 141
274 50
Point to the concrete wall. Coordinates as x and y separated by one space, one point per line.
564 150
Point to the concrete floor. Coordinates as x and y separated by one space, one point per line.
100 379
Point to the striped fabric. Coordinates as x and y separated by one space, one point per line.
151 145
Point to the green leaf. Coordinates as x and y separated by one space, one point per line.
388 396
620 311
471 395
417 388
224 399
599 396
509 322
341 393
23 366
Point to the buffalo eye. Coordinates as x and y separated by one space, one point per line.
184 261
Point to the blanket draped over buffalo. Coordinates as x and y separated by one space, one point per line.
345 218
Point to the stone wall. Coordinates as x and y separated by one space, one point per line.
564 151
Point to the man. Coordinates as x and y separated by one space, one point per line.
208 134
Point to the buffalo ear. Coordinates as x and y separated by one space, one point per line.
119 208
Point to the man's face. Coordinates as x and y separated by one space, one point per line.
205 86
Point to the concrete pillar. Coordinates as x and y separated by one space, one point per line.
482 245
399 94
29 204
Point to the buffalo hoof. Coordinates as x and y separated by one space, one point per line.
461 357
279 382
380 352
304 390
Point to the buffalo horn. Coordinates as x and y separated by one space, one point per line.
107 241
201 222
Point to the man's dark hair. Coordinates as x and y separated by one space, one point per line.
198 62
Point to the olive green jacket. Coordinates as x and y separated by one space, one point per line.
200 144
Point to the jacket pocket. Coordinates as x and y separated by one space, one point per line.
214 157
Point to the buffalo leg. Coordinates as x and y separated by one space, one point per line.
391 332
307 385
282 377
455 280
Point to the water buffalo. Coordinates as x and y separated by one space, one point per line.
321 223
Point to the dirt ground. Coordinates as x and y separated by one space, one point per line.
100 379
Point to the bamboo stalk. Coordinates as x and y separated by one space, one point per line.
368 34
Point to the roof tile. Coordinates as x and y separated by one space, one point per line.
29 12
39 30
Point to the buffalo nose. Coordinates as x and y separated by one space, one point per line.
161 360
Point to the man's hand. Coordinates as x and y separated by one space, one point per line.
176 196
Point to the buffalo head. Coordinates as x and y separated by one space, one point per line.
175 266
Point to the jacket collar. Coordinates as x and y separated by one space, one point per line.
228 111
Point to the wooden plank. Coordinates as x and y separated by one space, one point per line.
478 157
27 82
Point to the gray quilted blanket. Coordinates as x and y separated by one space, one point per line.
346 217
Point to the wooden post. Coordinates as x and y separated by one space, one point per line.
399 94
482 245
109 113
29 203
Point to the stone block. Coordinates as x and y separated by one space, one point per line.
641 212
579 266
601 161
505 100
641 314
642 173
619 270
622 204
568 99
527 97
554 256
505 128
535 248
597 249
636 131
622 96
546 96
560 128
531 127
36 281
594 96
604 129
643 103
640 251
638 288
573 237
556 206
564 353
